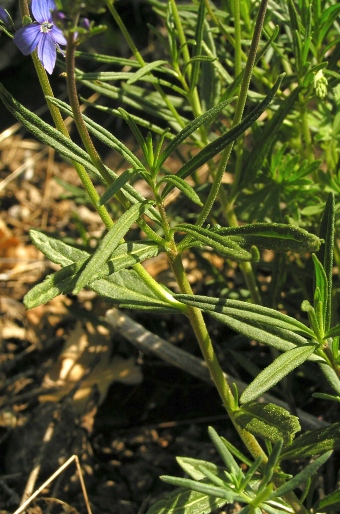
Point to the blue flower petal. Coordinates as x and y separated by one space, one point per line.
4 17
58 36
41 10
47 52
28 37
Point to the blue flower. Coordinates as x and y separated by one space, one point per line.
4 17
41 34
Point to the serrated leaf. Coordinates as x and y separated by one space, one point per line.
276 371
222 244
314 442
183 186
108 244
301 477
268 421
184 501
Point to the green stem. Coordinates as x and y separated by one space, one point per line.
60 125
74 103
305 129
238 70
207 349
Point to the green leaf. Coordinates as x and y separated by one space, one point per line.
248 312
183 186
276 371
145 70
199 33
118 184
329 503
190 128
216 146
63 281
266 139
108 244
252 321
184 501
128 290
327 232
191 467
301 477
57 251
314 442
65 146
229 495
268 421
223 245
141 101
330 375
102 134
333 332
225 454
273 236
320 293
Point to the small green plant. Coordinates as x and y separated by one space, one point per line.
238 88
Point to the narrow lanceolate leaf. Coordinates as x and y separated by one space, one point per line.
314 442
216 146
101 133
229 495
145 70
192 467
333 332
190 128
183 186
185 501
320 293
128 290
276 371
301 477
267 137
63 281
109 243
268 421
329 503
65 146
57 251
248 312
118 184
273 236
222 244
327 231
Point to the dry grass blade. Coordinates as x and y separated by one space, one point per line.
75 459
